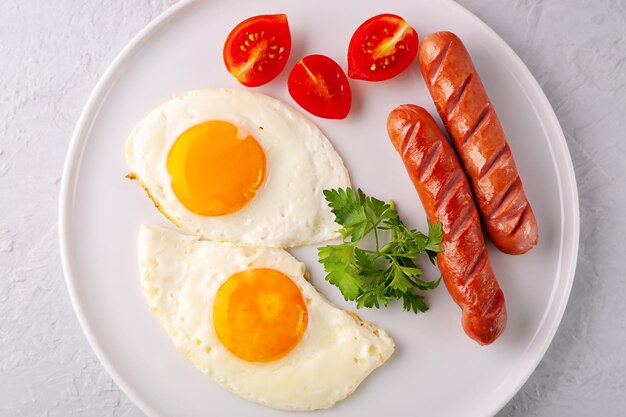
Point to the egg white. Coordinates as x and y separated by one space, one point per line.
180 276
289 210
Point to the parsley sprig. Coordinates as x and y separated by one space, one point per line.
375 277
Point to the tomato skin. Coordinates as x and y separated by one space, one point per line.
319 85
257 49
381 48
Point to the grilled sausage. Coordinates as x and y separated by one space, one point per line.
474 127
447 198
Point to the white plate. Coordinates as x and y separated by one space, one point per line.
436 370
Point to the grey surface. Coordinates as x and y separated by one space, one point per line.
52 54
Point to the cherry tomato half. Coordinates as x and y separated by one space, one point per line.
381 48
319 85
257 49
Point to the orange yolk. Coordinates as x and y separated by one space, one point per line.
214 172
259 315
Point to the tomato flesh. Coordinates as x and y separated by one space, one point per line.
381 48
319 85
257 49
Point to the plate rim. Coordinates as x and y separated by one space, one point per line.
98 95
67 189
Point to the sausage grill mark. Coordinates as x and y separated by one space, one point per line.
409 137
502 204
457 96
513 214
480 120
437 64
494 162
492 304
429 160
449 189
462 223
521 220
477 265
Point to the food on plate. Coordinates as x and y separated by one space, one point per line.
471 120
257 49
238 166
248 318
375 276
381 48
447 198
319 85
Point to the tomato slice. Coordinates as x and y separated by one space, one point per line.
381 48
257 49
319 85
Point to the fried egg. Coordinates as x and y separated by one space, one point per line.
237 166
248 318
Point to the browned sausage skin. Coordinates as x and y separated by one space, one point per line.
447 198
474 127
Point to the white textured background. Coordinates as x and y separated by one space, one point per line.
53 52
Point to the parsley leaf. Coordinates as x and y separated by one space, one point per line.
339 263
434 239
375 277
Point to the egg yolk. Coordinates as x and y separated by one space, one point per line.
259 315
214 171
